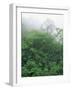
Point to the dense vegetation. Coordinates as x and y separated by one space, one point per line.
42 55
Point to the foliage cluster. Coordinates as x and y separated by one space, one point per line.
42 55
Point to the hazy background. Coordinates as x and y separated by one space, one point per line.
31 20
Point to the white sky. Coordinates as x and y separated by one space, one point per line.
38 19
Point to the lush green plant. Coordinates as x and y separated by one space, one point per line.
42 55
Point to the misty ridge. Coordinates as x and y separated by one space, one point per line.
47 26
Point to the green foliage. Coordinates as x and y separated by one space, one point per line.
42 55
